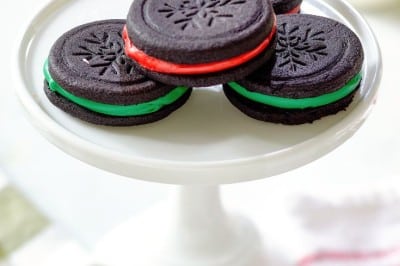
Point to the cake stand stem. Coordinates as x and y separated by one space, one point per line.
200 218
191 229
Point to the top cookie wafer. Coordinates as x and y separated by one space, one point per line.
198 31
206 41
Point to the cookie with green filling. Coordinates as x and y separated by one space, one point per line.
316 72
88 76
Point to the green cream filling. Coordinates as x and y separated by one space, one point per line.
111 109
303 103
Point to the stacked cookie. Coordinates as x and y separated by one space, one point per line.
289 69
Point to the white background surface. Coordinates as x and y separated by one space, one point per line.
88 202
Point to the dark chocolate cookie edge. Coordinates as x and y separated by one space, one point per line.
106 120
275 115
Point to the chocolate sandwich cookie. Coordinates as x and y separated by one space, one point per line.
286 6
315 73
88 76
199 43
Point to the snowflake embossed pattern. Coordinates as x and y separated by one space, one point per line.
297 49
195 13
105 53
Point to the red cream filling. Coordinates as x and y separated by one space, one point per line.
160 66
295 10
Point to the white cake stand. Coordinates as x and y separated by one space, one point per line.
204 144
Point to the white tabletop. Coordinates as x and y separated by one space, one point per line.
68 195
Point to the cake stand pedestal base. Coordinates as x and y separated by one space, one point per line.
193 229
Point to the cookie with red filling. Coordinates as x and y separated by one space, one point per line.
286 6
199 43
316 72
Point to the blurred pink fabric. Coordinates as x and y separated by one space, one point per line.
359 228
